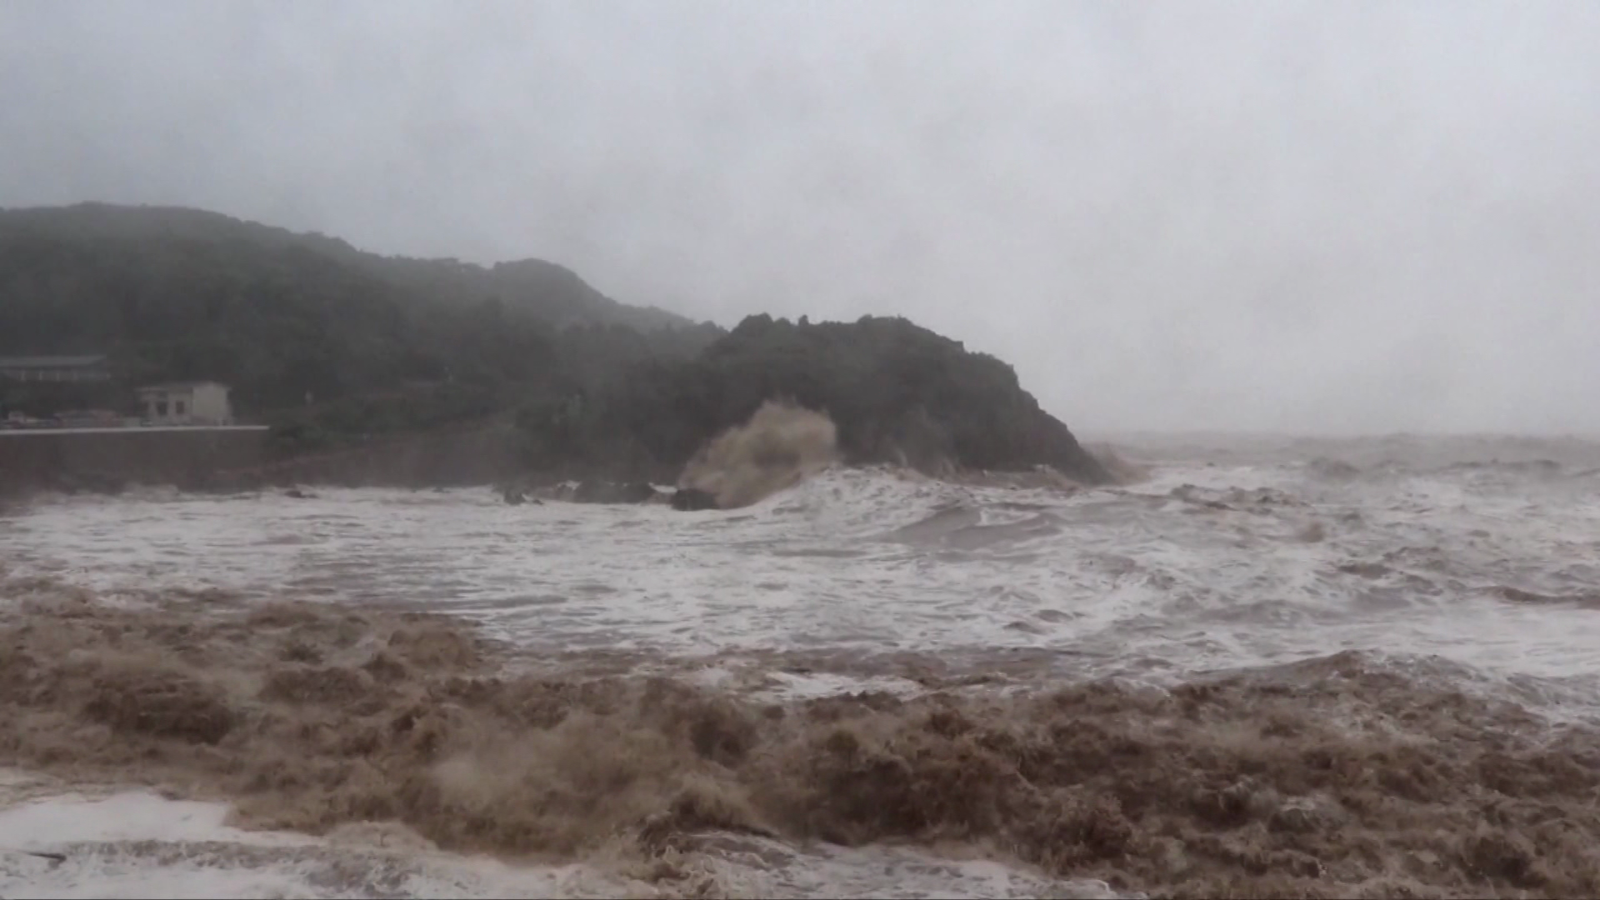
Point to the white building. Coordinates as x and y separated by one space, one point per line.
187 403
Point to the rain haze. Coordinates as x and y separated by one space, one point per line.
1296 217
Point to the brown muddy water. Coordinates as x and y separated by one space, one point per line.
1273 668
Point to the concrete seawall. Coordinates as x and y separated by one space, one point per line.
107 458
452 457
104 460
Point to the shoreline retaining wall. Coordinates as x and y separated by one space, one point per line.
454 457
107 459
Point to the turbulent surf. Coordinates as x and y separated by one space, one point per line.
1259 668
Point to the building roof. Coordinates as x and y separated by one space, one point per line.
170 386
50 362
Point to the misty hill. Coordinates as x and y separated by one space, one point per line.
550 292
898 393
376 343
336 346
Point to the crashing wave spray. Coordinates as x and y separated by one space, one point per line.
781 445
1122 469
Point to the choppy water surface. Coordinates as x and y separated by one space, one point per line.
1238 563
1472 560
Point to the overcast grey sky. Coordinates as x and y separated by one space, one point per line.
1324 216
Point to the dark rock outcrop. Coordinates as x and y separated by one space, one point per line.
898 394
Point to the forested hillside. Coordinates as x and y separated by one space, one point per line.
306 323
335 346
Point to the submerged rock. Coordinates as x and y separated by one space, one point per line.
613 492
693 499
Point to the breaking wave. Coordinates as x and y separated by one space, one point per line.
1336 776
780 446
868 683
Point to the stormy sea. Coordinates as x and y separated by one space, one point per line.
1264 667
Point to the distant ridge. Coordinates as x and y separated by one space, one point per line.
551 291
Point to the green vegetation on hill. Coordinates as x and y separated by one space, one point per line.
337 346
332 342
